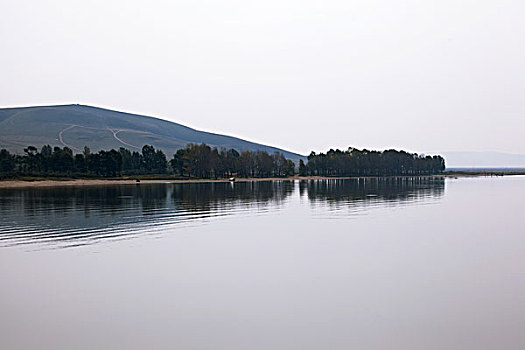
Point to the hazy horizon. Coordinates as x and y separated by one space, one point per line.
302 76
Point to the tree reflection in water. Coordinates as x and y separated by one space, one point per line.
72 216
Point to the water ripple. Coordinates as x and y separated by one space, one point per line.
77 216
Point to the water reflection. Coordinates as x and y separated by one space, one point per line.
366 191
72 216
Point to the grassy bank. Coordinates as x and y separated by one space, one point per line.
484 172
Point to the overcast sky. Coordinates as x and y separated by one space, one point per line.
302 75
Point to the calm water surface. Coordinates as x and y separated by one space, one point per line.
416 263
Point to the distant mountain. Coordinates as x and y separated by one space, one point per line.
77 126
483 160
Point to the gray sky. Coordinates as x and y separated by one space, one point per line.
302 75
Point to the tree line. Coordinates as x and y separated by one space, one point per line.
196 161
202 161
355 162
205 162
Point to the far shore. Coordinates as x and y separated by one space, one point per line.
44 182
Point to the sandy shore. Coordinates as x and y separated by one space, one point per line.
99 182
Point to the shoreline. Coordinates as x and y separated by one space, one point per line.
125 181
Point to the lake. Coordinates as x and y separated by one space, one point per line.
396 263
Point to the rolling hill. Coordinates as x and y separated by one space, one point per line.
77 126
484 160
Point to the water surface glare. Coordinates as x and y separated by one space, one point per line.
397 263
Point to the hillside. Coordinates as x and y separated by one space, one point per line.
484 160
77 126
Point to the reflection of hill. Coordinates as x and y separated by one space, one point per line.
372 189
82 215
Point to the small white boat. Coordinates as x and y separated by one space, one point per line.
232 179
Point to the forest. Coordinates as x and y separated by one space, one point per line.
355 162
204 162
193 161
